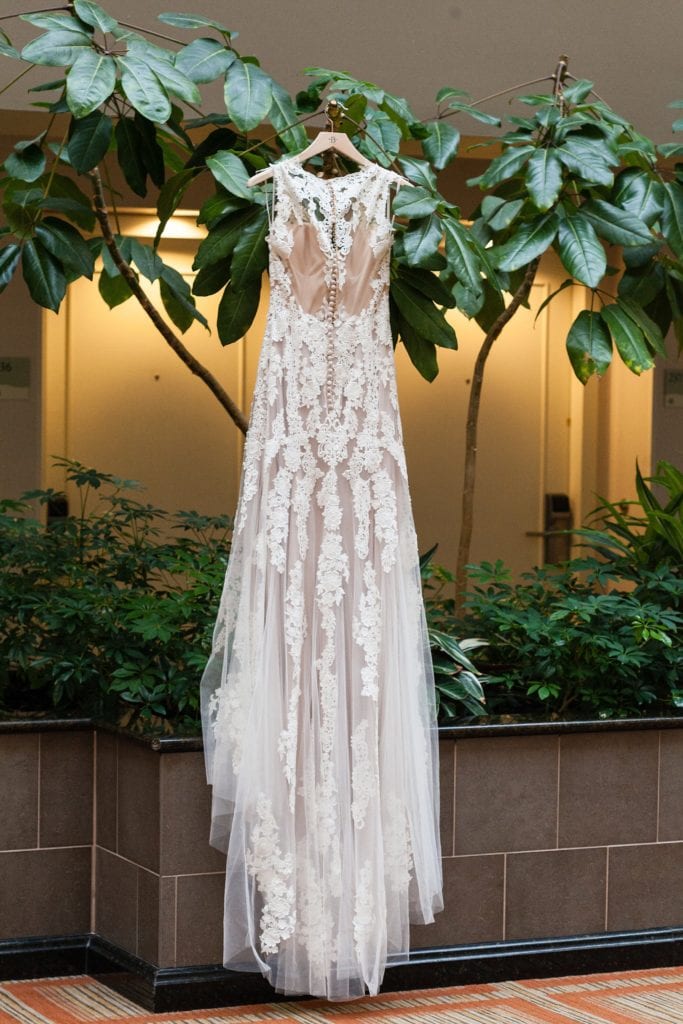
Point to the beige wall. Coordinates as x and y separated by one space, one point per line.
20 420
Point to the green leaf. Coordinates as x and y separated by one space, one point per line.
90 82
628 338
230 172
204 60
236 312
581 251
646 324
7 50
447 92
397 108
248 94
544 177
66 197
9 261
128 153
501 215
421 314
43 274
491 308
89 141
26 164
222 239
67 245
212 279
58 20
283 116
588 159
478 115
531 240
577 91
192 21
449 645
114 289
421 351
418 171
504 166
219 206
461 258
92 14
151 153
382 137
421 243
642 286
428 283
143 89
169 198
672 216
668 149
468 301
146 260
441 143
175 81
250 256
414 202
614 224
56 49
589 345
640 193
177 299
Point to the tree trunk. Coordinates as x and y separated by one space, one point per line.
469 477
169 336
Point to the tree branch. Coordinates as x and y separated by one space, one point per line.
467 517
167 334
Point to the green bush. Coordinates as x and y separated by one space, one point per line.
600 635
109 610
561 645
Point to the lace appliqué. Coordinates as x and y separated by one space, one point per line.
364 776
397 847
272 870
367 632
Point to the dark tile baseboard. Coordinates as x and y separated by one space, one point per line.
168 989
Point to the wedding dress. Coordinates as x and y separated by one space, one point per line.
317 702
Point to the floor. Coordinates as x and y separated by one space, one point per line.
632 997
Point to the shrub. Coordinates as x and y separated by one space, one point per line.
107 611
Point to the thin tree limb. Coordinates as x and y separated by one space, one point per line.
167 334
467 516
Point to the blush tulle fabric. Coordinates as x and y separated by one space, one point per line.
318 705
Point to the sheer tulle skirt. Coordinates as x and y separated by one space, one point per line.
318 703
325 787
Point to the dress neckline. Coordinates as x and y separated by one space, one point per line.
327 181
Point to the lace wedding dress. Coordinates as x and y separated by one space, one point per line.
318 699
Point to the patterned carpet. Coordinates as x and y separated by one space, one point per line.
634 997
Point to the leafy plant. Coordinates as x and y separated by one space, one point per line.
108 611
650 535
459 684
562 645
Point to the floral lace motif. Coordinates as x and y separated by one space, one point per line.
272 870
364 778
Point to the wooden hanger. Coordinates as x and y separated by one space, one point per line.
334 139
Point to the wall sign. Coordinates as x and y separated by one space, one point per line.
673 388
15 378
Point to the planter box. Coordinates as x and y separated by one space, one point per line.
562 843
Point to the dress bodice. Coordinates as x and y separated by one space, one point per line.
330 239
